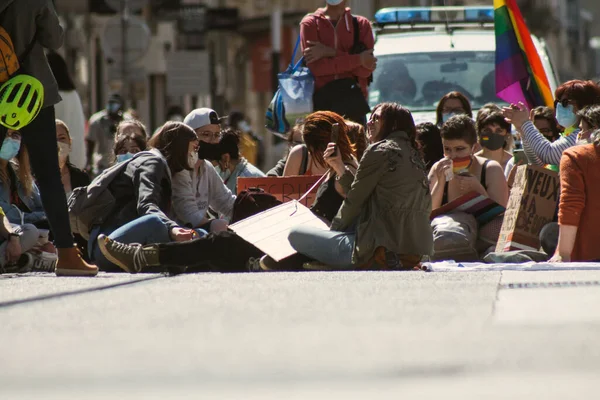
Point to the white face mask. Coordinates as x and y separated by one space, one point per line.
64 149
193 159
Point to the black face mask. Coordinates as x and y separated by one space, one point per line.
209 151
492 141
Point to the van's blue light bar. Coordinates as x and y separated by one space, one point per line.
416 15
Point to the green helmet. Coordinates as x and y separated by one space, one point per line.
21 99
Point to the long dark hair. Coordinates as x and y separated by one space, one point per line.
60 71
395 117
172 140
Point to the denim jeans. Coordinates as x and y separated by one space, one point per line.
40 139
144 230
329 247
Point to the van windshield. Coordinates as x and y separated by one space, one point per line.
419 80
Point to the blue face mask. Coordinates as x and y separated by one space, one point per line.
124 157
447 116
565 116
10 148
113 108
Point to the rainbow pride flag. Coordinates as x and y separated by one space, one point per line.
520 75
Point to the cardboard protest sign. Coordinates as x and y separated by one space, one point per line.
284 188
531 205
481 207
269 230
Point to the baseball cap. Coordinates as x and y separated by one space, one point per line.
202 117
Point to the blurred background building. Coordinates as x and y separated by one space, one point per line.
218 53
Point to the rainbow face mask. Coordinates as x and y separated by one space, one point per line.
461 164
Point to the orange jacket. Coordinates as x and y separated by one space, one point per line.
579 198
317 28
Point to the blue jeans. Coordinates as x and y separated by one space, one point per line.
144 230
329 247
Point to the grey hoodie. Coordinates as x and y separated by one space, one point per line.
22 19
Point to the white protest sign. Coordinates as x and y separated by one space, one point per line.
269 230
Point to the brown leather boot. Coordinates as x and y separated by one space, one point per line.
384 259
70 263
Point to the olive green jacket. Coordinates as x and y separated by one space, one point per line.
389 200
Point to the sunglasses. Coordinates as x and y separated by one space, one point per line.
564 102
210 135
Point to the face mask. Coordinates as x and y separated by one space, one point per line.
565 116
63 150
244 126
10 148
113 108
124 157
193 159
492 141
209 151
334 2
447 116
461 164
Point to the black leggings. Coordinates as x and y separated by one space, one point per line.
219 252
40 139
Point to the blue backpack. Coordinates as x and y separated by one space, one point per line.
294 97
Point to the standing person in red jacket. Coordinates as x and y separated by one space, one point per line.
338 50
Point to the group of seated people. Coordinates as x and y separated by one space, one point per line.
175 193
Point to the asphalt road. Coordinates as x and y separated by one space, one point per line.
301 335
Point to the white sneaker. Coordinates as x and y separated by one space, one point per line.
43 261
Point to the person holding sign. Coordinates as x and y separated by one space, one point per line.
384 220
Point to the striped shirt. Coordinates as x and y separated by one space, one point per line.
539 150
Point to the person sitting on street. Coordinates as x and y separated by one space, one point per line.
478 174
430 143
201 187
127 145
570 98
383 222
340 159
231 164
357 136
293 139
72 177
19 194
545 121
589 123
142 194
15 241
494 136
579 214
